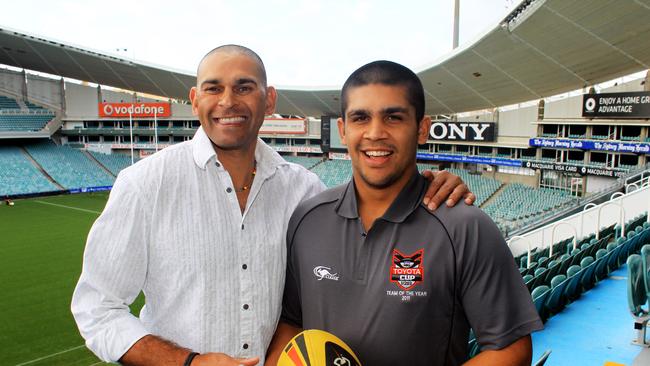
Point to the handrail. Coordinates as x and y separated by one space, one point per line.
575 235
582 217
627 187
527 245
621 217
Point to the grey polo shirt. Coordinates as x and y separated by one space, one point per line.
407 291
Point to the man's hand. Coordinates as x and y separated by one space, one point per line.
445 186
220 359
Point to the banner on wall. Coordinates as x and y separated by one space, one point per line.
616 105
119 110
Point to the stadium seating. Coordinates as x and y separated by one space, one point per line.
334 172
20 122
18 175
481 186
8 103
33 106
113 162
33 119
574 271
69 167
519 204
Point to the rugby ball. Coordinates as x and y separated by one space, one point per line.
315 347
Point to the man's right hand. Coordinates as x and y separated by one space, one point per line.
221 359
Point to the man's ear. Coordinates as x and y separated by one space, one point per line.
195 107
341 125
423 130
271 98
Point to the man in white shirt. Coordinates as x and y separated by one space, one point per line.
200 228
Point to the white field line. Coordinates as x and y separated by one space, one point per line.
52 355
64 206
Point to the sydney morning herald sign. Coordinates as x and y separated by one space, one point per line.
616 105
637 148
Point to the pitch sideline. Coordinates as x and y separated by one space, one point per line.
51 355
64 206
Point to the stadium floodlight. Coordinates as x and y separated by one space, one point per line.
520 14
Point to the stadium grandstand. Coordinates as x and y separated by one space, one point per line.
545 116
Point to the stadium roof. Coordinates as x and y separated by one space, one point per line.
542 48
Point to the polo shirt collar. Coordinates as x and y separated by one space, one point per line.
405 203
203 151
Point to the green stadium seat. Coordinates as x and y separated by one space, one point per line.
637 297
556 300
572 290
645 262
540 295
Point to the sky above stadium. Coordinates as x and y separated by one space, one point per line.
303 43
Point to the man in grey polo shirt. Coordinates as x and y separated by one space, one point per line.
368 262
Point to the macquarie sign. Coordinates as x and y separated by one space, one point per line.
113 110
616 105
463 131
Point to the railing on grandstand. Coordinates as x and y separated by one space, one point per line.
641 175
15 111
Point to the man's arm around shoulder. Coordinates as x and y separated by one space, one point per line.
151 350
520 352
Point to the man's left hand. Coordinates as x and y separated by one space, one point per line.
446 186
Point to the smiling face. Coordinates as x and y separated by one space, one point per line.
231 100
381 133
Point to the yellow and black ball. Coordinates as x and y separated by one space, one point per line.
315 347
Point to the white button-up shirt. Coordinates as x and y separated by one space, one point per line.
172 227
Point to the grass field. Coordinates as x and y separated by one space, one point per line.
41 248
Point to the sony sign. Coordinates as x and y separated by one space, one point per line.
463 131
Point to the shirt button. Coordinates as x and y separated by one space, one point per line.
217 164
244 266
245 306
245 346
228 189
363 235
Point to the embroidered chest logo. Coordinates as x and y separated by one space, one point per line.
406 270
325 272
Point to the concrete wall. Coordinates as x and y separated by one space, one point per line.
529 180
596 183
182 111
517 123
44 91
81 101
12 81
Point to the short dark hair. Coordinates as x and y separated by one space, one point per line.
235 48
386 73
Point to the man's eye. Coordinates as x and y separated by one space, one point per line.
394 118
212 89
359 118
244 89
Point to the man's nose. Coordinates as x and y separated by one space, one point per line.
376 129
227 99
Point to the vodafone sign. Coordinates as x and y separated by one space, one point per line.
134 109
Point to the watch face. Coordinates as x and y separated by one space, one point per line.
335 355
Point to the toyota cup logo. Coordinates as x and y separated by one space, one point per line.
151 110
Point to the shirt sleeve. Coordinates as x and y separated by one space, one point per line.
291 304
496 302
113 274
